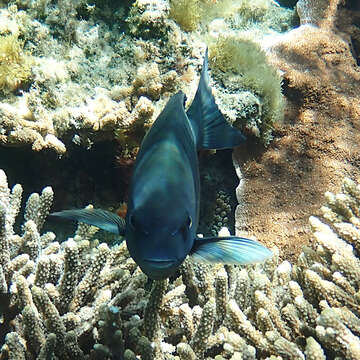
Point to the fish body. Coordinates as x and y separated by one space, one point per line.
164 198
163 206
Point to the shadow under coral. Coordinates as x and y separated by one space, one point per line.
96 177
85 176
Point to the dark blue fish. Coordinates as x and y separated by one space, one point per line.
164 198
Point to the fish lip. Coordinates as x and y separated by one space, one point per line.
167 261
163 263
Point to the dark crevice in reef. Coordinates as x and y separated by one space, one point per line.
353 5
218 181
287 3
86 176
92 176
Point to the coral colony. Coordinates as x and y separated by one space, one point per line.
83 300
81 80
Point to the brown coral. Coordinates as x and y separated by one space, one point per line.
320 73
318 142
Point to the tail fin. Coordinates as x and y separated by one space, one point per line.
211 129
229 250
102 219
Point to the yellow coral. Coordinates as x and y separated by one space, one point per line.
241 56
186 13
15 65
190 13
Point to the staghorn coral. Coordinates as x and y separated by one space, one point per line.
49 298
272 310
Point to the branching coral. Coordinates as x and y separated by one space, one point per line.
84 300
49 298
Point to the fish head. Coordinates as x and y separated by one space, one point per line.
159 244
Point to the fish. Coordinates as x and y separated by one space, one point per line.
162 217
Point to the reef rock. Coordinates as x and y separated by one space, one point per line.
317 143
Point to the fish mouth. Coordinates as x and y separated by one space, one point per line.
160 263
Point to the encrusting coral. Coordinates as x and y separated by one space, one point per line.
316 144
312 68
94 66
83 300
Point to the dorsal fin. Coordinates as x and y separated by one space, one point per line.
211 129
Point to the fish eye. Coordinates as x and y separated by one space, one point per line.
136 225
187 225
189 222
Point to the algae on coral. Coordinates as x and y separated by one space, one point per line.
242 66
15 64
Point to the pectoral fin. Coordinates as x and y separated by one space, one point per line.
229 250
102 219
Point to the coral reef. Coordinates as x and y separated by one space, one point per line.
101 73
107 310
75 65
104 71
197 14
